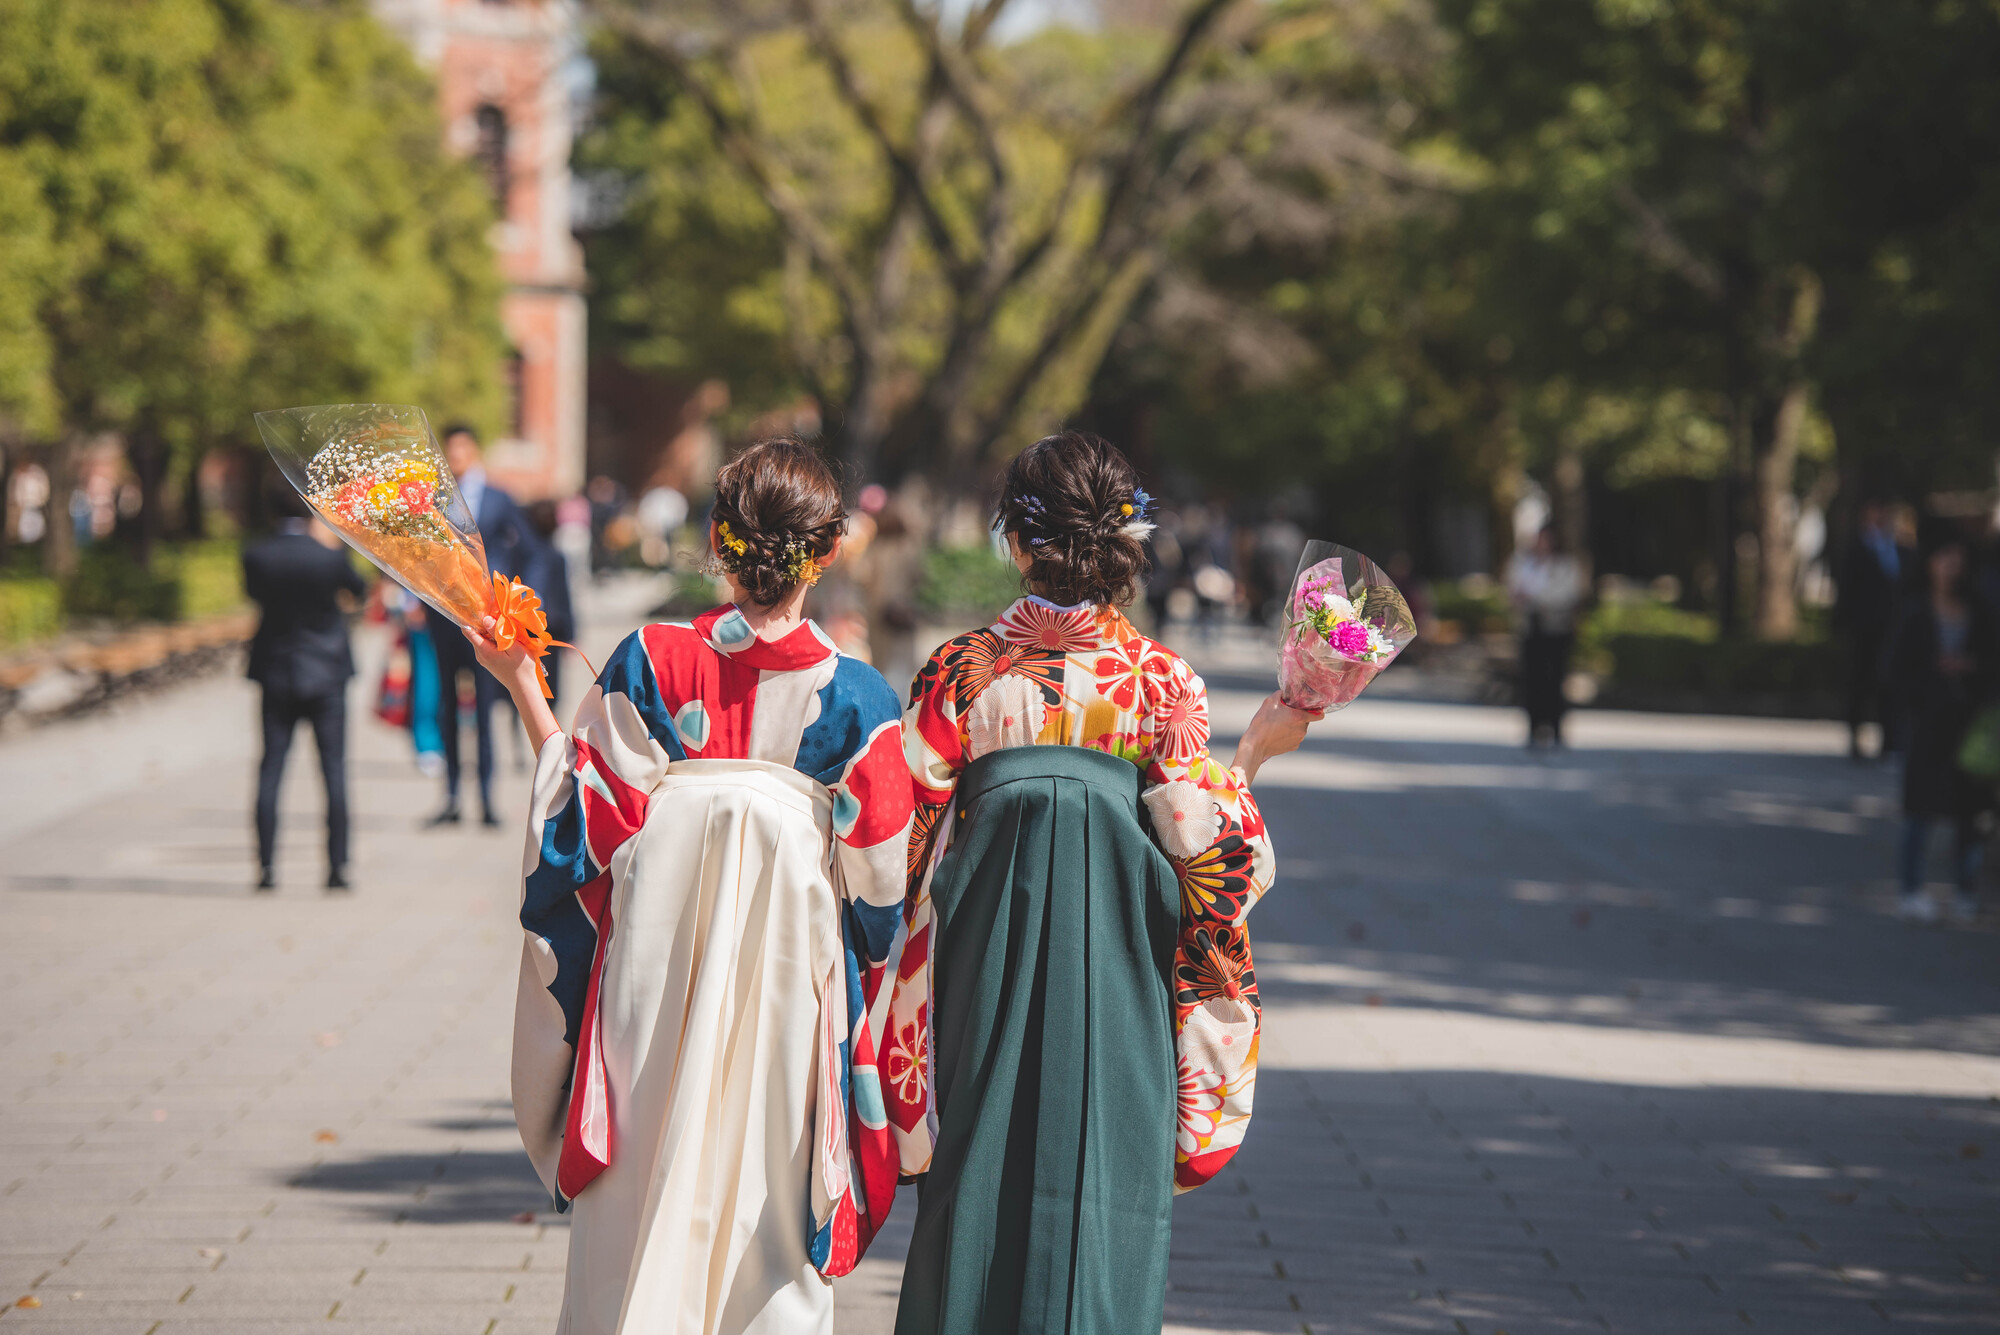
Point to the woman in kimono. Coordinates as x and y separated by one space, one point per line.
1032 1057
714 876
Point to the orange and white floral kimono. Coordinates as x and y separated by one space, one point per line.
1047 675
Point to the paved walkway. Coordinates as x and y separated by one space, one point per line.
1621 1039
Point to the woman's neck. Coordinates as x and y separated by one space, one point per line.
779 619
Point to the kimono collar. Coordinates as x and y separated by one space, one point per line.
727 632
1036 623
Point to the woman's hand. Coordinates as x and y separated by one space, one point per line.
1276 730
514 667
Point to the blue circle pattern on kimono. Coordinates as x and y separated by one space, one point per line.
731 632
846 810
691 722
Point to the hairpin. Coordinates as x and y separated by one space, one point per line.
1035 513
1137 527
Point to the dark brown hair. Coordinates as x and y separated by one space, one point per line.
779 500
1075 504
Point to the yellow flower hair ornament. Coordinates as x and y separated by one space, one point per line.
801 564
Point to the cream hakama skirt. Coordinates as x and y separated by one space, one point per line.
725 931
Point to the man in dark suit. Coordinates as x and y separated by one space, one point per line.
512 548
301 658
1867 586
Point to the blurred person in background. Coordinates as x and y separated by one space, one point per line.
607 504
1867 587
551 585
1206 557
301 658
512 548
1279 544
1416 591
1165 565
1545 586
1943 661
405 612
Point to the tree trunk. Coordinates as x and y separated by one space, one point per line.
1572 506
1777 610
148 456
194 517
62 482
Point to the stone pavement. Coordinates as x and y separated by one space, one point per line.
1623 1038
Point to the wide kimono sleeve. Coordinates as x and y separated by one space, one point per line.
1203 814
592 788
855 749
935 750
1211 830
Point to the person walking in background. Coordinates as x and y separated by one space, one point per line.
1867 586
1942 665
301 658
551 584
1545 585
405 612
512 548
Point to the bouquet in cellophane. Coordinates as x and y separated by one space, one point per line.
1344 622
375 474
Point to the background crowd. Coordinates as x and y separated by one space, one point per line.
1459 284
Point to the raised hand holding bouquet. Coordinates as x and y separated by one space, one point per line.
375 474
1344 622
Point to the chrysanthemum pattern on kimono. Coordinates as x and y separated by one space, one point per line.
713 690
1082 676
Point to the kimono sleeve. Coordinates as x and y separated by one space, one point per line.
871 801
592 787
934 751
1203 814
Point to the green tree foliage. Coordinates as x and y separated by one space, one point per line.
1739 245
934 237
232 205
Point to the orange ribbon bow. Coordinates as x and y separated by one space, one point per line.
518 615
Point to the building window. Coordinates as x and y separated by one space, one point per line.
492 153
516 413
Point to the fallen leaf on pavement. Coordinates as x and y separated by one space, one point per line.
326 1137
525 1217
30 1301
327 1040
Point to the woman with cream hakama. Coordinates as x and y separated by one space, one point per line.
713 887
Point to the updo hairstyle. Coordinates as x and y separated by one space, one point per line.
777 512
1076 506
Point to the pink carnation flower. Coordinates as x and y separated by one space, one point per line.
1349 638
1312 598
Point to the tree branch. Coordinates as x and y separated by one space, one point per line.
740 143
980 22
1658 238
900 163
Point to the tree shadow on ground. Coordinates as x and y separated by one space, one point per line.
1456 1201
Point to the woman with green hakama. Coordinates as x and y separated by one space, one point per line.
1080 871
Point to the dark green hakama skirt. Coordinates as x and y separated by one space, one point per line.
1049 1201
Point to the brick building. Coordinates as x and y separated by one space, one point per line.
503 70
